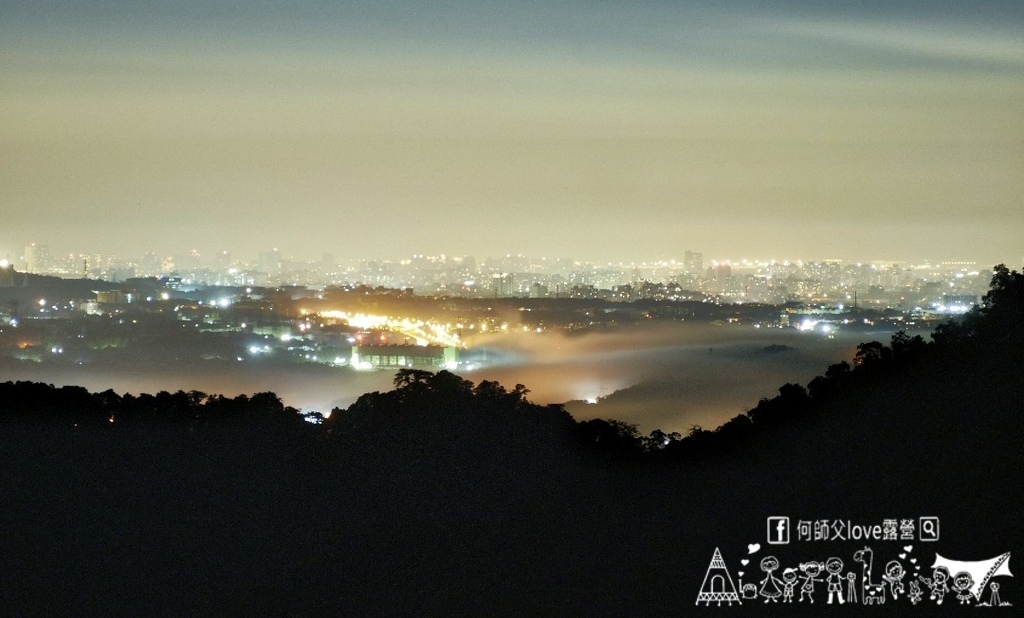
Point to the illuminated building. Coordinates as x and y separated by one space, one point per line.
37 259
693 262
114 297
503 285
397 356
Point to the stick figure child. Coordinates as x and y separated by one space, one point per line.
937 582
789 582
770 584
894 575
835 581
811 572
962 583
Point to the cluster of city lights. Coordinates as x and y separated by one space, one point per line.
424 333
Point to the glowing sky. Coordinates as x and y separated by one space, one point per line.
598 130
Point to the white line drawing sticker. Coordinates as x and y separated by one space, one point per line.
718 586
981 571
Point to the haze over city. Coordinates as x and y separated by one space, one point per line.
602 131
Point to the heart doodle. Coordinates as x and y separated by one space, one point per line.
908 548
753 548
744 562
914 561
903 556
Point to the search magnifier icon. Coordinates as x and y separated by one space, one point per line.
929 527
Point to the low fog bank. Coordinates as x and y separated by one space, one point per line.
306 386
667 376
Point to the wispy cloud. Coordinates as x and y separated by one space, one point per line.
939 42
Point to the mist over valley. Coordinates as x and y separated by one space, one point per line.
669 376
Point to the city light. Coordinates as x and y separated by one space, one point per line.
423 333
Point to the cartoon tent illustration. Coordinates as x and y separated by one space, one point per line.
981 570
717 586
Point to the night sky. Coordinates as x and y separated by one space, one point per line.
595 130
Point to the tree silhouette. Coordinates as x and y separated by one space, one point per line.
617 438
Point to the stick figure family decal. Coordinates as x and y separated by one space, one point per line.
828 581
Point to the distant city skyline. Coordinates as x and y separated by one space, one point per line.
946 285
609 131
33 254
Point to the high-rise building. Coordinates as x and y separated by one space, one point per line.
502 285
693 262
270 262
37 258
723 272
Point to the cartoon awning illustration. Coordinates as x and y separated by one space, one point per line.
981 570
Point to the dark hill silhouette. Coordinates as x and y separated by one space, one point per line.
442 497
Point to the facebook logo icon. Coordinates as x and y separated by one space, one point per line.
778 530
